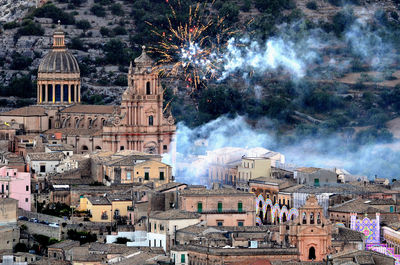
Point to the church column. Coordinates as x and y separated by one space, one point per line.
38 94
62 92
54 93
75 92
46 92
79 93
134 114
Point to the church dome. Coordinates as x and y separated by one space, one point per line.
59 61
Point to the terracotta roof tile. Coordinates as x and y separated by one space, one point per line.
26 111
58 156
98 109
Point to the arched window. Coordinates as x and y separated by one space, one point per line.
151 120
85 148
304 218
98 147
148 90
311 253
318 218
312 218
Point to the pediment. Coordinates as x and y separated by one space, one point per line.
150 110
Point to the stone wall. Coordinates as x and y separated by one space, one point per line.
42 229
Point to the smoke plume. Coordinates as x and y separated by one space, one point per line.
191 160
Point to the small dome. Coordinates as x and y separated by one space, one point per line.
59 62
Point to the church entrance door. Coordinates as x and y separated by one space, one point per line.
311 253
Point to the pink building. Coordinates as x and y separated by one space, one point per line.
16 185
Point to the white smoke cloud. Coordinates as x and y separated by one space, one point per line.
274 54
191 162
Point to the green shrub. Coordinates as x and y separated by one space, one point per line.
20 62
312 5
230 11
30 28
77 44
105 32
83 24
49 10
116 9
119 30
121 80
98 10
10 25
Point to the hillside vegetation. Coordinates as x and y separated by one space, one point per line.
348 93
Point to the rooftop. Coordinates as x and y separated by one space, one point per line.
357 205
174 214
66 244
308 169
91 109
60 147
46 156
98 200
26 111
347 235
214 192
74 131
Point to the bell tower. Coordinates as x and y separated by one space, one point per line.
310 232
145 126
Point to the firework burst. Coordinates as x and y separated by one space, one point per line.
189 49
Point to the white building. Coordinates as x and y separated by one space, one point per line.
44 163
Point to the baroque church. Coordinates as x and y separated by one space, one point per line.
139 123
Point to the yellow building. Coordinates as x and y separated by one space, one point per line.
252 168
137 169
105 209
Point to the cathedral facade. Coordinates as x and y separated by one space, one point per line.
139 123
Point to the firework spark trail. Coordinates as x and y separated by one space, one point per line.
187 50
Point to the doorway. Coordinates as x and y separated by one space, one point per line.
311 254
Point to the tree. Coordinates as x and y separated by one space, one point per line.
83 237
116 52
20 62
342 20
230 11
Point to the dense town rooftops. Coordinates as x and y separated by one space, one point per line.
26 111
57 156
357 205
174 214
361 257
214 192
66 244
92 109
